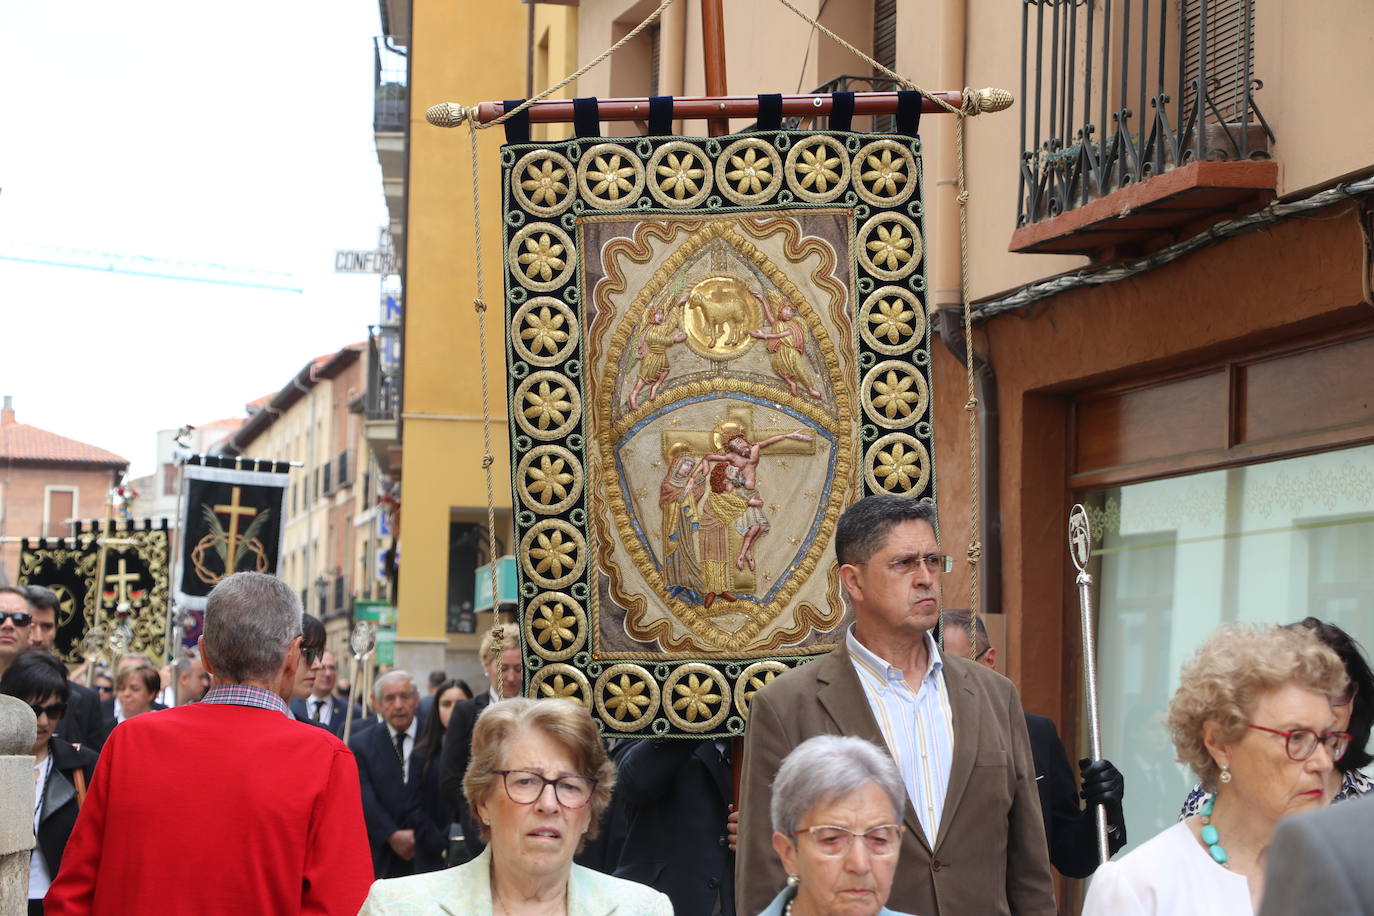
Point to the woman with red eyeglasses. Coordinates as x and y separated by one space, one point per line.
1253 718
61 771
1354 709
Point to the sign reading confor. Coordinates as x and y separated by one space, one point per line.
380 261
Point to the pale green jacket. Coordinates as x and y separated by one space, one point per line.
466 891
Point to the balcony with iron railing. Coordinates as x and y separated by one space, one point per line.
389 88
1139 122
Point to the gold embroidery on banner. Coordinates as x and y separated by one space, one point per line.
544 331
561 682
555 626
542 257
627 697
818 169
696 697
679 175
542 182
549 479
749 171
894 394
752 680
892 320
553 553
610 175
836 416
890 246
547 405
886 173
897 463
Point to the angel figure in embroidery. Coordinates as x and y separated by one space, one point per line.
784 341
655 337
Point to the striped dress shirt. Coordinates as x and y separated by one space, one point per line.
916 724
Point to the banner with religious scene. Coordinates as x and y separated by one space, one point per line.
130 604
715 346
231 522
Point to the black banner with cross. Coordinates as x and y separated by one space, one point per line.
231 522
133 587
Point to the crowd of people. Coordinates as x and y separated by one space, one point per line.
896 775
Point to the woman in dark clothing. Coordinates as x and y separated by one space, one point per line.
61 772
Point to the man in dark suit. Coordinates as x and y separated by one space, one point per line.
676 796
500 654
1070 829
406 823
83 724
1319 862
322 706
974 839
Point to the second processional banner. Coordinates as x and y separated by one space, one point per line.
231 522
715 346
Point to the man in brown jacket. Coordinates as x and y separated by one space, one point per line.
954 728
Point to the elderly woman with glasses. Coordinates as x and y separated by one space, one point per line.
1253 718
61 771
538 782
836 807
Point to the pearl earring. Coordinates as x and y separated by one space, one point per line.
1225 773
486 822
793 880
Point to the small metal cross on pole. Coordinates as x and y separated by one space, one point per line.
1080 549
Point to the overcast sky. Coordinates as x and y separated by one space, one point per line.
236 138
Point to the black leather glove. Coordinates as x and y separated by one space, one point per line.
1102 783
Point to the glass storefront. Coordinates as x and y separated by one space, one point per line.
1267 543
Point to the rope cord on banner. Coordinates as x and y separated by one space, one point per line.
970 107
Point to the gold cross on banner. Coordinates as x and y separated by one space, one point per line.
234 510
121 580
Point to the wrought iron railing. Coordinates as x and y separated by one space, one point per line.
1116 91
389 92
383 395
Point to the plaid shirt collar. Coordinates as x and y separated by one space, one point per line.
244 695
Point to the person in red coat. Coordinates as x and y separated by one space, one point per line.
225 806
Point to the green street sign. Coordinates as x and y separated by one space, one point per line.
505 584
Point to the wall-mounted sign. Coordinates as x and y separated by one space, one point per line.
381 261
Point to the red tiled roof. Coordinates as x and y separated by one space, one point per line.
21 442
229 422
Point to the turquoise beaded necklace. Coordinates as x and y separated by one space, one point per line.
1210 835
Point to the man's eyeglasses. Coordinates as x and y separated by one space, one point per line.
883 840
525 786
933 563
53 711
103 688
312 656
20 618
1301 743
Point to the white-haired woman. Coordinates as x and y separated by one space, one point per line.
1252 716
836 810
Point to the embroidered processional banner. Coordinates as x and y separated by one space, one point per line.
231 521
129 607
715 346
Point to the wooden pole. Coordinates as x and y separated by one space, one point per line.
713 53
809 105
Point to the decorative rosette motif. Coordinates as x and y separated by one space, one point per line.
555 626
544 331
627 697
541 257
547 405
894 394
554 553
892 320
885 173
890 246
897 463
752 680
818 169
549 479
696 697
679 175
561 682
542 182
611 176
749 171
